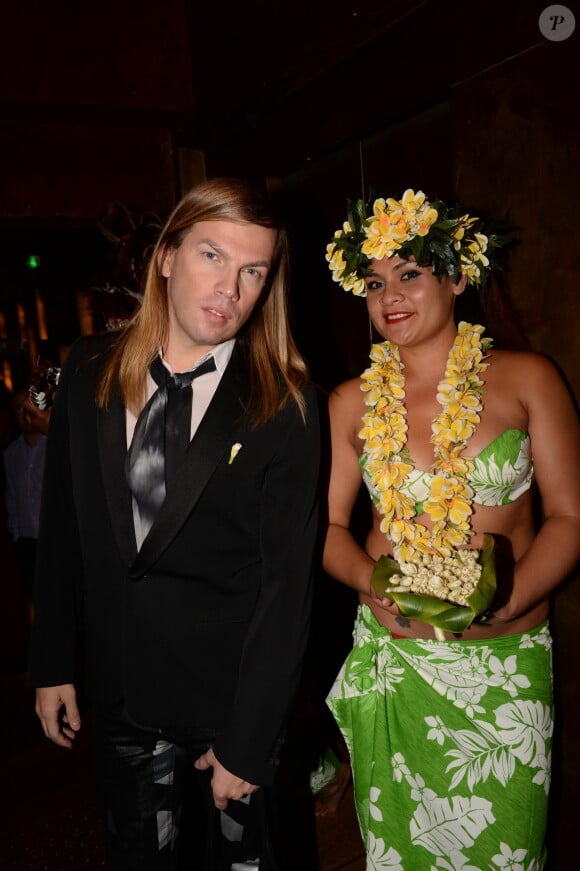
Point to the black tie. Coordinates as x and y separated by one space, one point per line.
161 438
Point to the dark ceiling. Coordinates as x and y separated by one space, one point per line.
264 53
263 81
289 82
116 100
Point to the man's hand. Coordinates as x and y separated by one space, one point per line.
49 702
224 784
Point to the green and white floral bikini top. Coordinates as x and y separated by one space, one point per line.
502 472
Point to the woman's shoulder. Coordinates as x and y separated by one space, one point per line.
529 376
346 408
348 391
523 365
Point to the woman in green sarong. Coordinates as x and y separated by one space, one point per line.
449 733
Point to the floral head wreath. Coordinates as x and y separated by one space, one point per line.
444 237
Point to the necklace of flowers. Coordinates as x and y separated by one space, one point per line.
388 465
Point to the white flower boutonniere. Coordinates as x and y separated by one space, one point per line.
234 452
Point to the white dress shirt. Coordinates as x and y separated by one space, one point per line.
203 387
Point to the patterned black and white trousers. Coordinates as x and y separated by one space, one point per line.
157 810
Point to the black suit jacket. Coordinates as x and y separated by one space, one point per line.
206 625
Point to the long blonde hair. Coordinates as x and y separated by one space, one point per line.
277 370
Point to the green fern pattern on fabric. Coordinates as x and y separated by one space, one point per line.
446 739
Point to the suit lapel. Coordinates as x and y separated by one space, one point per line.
214 436
112 438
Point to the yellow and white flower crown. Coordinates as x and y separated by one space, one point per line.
446 238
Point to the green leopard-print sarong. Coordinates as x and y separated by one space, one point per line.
450 746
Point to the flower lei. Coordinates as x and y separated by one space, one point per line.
388 464
446 238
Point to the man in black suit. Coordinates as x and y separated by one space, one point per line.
175 553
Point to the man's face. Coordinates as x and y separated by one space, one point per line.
214 280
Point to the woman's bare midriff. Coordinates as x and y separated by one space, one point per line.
519 537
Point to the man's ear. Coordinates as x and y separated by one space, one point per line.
460 285
165 261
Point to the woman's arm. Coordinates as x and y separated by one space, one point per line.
343 558
555 438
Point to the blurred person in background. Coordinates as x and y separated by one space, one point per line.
23 471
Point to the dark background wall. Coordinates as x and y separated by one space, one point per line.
134 101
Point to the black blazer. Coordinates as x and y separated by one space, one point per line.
206 625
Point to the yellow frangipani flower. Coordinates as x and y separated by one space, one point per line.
465 356
387 468
459 510
389 474
400 530
460 430
397 423
422 544
448 499
407 552
452 539
457 392
392 445
379 207
470 416
379 229
388 512
465 329
331 251
357 285
480 243
395 222
393 503
374 439
441 490
386 406
336 263
412 201
378 354
374 392
383 239
374 428
428 218
465 222
462 401
453 466
441 436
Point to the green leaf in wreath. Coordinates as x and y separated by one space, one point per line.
483 596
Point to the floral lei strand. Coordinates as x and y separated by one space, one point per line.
449 503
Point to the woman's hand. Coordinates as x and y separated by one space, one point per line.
386 604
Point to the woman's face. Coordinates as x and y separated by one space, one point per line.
407 303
